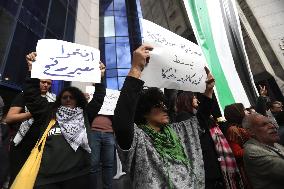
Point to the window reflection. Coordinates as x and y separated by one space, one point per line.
116 43
123 55
110 56
6 23
56 21
30 26
119 8
24 41
109 26
37 8
112 83
111 73
122 72
121 26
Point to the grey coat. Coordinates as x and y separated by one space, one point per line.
264 165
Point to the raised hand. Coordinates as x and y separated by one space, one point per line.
30 58
140 57
210 83
263 91
103 69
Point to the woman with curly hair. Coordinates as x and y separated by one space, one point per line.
155 153
66 157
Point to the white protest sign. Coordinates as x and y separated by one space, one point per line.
109 103
175 63
61 60
90 90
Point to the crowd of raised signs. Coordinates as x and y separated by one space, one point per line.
162 140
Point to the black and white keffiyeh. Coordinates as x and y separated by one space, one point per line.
72 125
25 125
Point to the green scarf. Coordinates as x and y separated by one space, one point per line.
168 145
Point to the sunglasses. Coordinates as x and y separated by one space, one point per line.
161 105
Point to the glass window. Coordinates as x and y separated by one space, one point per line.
57 16
119 8
110 56
123 55
109 39
50 35
112 83
24 42
122 39
111 73
121 26
73 5
108 24
37 8
31 22
122 72
106 5
120 82
6 23
70 28
10 5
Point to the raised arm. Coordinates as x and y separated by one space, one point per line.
96 103
123 122
37 105
15 115
206 102
263 99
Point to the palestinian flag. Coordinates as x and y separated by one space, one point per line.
217 29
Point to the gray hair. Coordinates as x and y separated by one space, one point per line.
247 120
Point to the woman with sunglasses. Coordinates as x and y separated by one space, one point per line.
66 159
155 153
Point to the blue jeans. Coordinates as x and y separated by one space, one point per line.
103 153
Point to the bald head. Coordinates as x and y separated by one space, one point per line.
261 128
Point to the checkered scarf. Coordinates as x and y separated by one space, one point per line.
230 171
72 125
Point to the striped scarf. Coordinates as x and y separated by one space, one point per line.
230 171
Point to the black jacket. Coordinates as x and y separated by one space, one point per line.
59 161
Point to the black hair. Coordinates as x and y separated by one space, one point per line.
76 93
234 113
148 99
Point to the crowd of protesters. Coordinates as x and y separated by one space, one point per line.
163 141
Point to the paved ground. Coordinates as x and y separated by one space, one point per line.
122 183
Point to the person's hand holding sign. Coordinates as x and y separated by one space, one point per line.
30 58
140 58
210 83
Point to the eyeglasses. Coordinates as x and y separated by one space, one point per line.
65 97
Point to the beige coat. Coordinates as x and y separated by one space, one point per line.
264 165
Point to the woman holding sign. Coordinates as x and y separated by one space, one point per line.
155 153
20 119
66 156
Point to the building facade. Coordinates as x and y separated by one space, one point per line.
23 23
